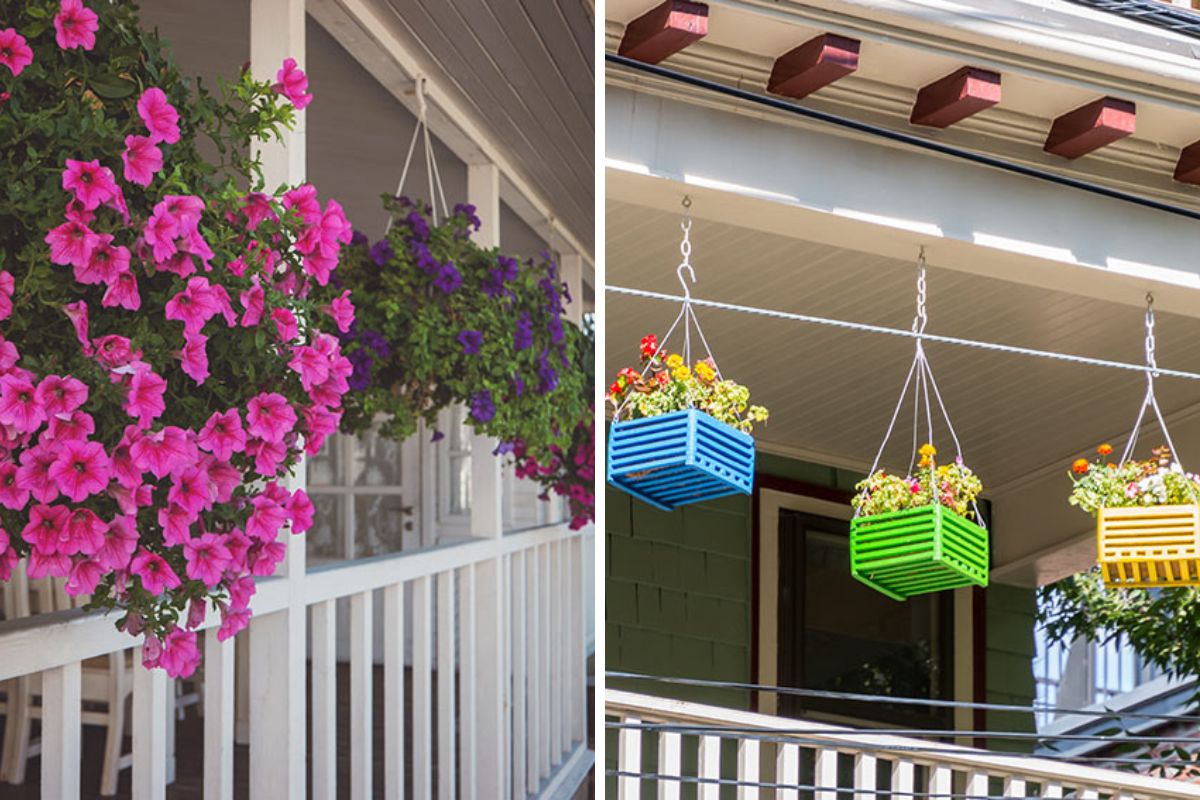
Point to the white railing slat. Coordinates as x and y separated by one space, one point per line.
579 628
629 760
545 602
563 649
218 716
422 678
825 774
941 781
709 762
977 784
747 769
533 663
670 762
324 699
1089 794
361 674
490 696
519 676
865 772
1052 790
787 771
149 731
554 645
903 777
393 692
278 707
466 687
62 730
447 769
1014 786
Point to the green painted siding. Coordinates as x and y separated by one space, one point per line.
1010 623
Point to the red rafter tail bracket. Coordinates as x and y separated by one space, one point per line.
1187 169
1091 127
816 63
664 30
955 97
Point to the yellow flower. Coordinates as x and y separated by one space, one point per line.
674 360
681 373
704 371
927 452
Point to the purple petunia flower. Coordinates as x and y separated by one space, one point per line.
468 211
556 329
448 278
359 239
425 260
381 252
416 223
471 341
523 335
509 268
547 373
482 407
503 449
518 385
437 436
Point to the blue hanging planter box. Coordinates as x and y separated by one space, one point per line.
679 458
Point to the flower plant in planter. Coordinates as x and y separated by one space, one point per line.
685 436
166 347
1147 516
918 533
442 321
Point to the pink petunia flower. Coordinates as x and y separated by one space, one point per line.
160 117
164 452
292 83
58 395
207 559
81 469
15 53
194 357
143 160
300 508
342 311
266 519
48 565
269 416
196 305
224 478
176 522
104 264
19 406
257 207
12 496
91 183
75 25
319 422
85 531
265 557
197 611
310 364
267 455
155 572
71 244
232 622
120 540
115 351
223 435
180 656
7 286
84 578
34 473
77 426
123 292
252 301
46 530
285 324
241 589
77 313
144 402
190 490
161 230
303 200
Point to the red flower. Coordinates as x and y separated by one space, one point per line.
649 345
616 389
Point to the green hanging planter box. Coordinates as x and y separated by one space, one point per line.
918 550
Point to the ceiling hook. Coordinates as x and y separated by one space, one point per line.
687 293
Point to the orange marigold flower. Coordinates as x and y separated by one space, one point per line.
1104 449
1080 466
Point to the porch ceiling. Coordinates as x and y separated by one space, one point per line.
527 71
831 391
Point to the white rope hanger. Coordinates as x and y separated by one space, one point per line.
421 131
687 315
1149 400
925 391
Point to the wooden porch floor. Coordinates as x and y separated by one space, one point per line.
189 747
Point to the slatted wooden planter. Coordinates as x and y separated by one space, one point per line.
1149 546
918 550
679 458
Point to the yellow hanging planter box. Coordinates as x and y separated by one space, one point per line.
1149 546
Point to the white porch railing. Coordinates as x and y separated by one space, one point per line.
720 752
519 666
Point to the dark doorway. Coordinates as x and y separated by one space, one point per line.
837 634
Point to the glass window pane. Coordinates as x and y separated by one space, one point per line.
376 461
460 484
380 522
326 538
325 469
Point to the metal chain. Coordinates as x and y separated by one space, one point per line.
1150 362
922 318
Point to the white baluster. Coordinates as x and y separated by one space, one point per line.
865 772
903 778
533 663
578 655
218 716
1014 786
1089 793
1052 790
149 731
393 691
629 760
555 642
670 762
361 673
747 770
466 687
61 731
519 676
445 683
940 781
545 602
977 784
422 675
709 758
324 699
787 771
825 774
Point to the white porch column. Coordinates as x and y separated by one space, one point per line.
277 646
491 740
572 275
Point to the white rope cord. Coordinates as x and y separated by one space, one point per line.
431 168
1149 401
928 337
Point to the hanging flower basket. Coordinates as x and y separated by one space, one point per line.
679 458
1147 519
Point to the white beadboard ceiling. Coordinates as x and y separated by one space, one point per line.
832 391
